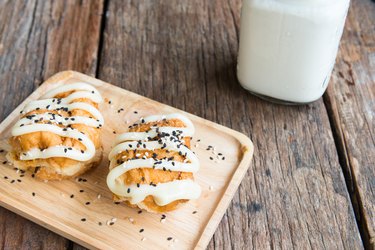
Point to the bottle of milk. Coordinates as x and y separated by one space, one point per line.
288 48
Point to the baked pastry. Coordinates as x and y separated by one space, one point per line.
58 136
152 167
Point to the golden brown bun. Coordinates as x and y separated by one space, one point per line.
56 168
153 176
48 169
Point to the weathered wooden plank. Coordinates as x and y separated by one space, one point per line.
37 39
350 100
183 53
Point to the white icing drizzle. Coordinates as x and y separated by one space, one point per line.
171 139
29 123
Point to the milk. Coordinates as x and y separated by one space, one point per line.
288 48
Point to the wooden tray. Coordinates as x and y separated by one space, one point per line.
52 206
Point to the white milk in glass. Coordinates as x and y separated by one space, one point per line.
288 47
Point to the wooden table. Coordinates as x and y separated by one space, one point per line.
312 180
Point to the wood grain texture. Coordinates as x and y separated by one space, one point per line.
184 54
350 100
37 39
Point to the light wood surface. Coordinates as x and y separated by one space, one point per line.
51 205
302 189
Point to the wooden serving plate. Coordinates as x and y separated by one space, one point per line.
61 206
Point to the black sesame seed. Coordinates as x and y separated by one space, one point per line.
72 196
169 238
6 177
81 191
111 223
83 219
87 203
100 223
5 162
12 181
1 150
211 158
19 180
117 202
141 231
82 151
79 139
140 211
194 212
128 190
33 193
135 112
223 158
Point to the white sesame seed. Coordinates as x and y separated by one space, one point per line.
210 187
131 219
99 196
175 240
143 239
163 220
